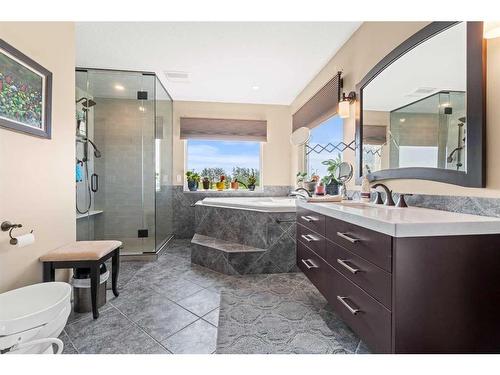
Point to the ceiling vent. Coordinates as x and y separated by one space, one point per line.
422 91
176 76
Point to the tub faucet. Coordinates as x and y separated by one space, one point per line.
388 194
300 192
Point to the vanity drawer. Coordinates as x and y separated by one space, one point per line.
312 240
367 317
366 275
373 246
311 220
312 266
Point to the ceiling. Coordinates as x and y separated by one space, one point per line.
438 64
235 62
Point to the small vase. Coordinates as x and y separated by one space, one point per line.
219 186
251 187
192 185
234 185
332 189
310 186
320 190
206 185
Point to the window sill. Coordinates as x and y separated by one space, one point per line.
226 191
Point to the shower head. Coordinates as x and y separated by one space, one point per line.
86 103
462 119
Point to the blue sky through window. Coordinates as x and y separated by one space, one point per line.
330 131
222 154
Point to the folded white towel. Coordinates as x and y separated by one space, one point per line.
325 198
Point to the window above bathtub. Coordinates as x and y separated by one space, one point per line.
235 160
223 154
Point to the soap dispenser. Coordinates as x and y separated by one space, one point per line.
365 188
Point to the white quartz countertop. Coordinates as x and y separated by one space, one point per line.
406 222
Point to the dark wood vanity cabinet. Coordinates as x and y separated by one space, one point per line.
405 295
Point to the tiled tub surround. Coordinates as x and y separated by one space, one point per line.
240 241
172 306
182 201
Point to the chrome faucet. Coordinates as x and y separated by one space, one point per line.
300 192
388 194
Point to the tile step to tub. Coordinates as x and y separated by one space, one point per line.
222 245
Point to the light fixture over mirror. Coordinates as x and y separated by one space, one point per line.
345 104
491 29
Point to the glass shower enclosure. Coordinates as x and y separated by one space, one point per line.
123 164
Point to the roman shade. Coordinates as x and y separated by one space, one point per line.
320 107
223 129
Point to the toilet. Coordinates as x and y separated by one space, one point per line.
33 317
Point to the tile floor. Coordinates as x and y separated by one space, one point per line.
167 306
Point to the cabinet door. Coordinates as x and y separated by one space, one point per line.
367 317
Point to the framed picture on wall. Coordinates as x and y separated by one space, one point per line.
25 93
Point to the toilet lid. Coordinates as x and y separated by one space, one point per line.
32 306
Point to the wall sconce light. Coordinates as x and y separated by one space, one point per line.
491 29
344 104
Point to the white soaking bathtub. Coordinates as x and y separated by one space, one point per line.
263 204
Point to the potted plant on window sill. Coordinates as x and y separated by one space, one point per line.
235 184
221 184
310 185
332 185
252 180
193 179
206 183
301 176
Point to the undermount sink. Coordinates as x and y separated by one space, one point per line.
363 205
34 313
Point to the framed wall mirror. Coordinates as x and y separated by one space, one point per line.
421 110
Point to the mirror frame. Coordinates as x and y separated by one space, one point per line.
475 176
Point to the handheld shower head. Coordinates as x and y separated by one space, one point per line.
97 153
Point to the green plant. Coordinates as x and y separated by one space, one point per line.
301 176
252 179
193 176
332 165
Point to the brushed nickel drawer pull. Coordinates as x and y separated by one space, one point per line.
347 237
309 237
352 310
309 218
347 267
309 263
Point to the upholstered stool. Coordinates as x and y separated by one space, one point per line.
85 254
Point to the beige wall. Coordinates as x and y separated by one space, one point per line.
37 185
276 151
368 45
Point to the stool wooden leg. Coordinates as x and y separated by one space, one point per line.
115 265
94 287
48 272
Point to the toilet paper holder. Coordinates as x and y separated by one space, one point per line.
8 226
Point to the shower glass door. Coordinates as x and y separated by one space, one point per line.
121 159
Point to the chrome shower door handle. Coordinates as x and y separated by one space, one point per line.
351 309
